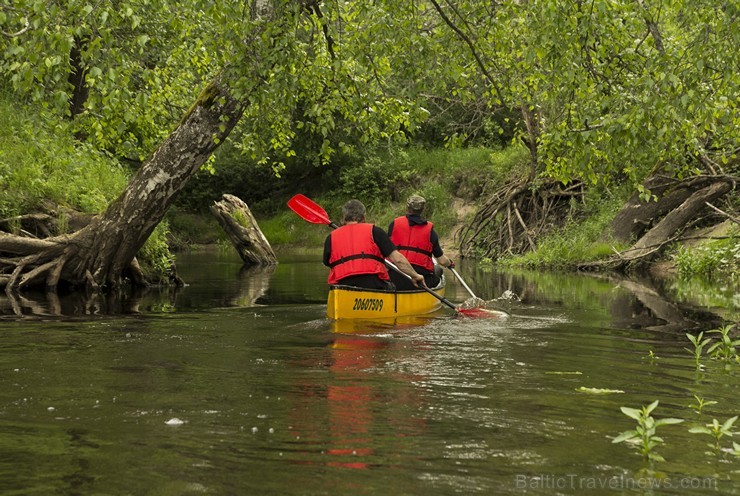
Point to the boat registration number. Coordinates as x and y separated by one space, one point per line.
372 304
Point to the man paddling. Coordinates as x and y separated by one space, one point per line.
355 253
416 239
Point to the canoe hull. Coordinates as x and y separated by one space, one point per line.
346 302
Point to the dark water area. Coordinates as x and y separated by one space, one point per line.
238 384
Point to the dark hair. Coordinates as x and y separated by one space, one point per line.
353 211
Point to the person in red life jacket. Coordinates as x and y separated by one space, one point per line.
416 239
355 253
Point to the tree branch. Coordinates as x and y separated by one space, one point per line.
731 217
473 50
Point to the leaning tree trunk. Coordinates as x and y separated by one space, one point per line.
674 221
241 227
686 200
637 215
103 251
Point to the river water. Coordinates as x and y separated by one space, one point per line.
237 384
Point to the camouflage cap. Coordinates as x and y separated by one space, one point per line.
416 202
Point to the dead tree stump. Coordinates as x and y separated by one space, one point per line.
240 225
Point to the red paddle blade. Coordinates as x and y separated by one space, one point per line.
308 210
481 313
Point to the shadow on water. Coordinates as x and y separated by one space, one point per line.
633 302
239 384
221 281
243 288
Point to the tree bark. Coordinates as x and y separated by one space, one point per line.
102 252
240 225
637 216
662 233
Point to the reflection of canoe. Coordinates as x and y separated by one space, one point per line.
347 302
379 326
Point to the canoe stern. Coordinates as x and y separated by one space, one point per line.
346 302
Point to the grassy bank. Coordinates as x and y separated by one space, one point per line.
452 181
41 163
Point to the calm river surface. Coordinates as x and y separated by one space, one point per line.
237 385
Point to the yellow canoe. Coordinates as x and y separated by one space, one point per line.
347 302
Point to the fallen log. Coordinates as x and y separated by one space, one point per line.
637 215
665 230
240 225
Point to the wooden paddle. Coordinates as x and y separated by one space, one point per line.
312 212
460 280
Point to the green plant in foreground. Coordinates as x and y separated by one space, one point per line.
652 357
724 349
644 435
735 449
700 404
699 345
717 431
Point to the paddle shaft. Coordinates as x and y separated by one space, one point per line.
463 283
312 212
423 286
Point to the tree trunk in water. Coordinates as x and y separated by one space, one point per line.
102 252
674 221
636 216
241 226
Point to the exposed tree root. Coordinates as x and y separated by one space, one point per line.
27 262
30 225
515 216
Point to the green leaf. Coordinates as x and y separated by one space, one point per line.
728 423
625 436
700 430
668 421
651 407
632 412
587 390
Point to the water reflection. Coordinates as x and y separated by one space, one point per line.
277 399
245 287
218 280
363 404
350 397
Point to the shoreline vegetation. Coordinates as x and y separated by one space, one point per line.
563 141
43 168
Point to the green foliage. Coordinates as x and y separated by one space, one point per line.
717 430
286 229
725 347
700 404
699 343
716 259
187 229
370 180
605 101
645 433
41 161
155 257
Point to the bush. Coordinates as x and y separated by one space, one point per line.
713 259
581 239
40 162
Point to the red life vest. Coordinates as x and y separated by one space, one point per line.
414 242
354 252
